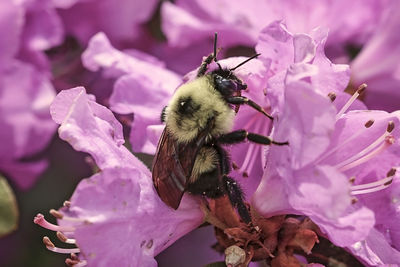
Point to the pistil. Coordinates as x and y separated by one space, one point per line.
40 220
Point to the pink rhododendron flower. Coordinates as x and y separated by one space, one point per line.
336 180
119 203
26 95
332 159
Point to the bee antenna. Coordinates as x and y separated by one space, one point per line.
244 62
215 45
215 51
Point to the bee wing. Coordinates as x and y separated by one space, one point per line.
172 167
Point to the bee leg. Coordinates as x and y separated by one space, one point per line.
243 135
241 100
163 114
207 61
204 65
235 195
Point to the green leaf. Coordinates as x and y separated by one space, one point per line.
216 264
8 209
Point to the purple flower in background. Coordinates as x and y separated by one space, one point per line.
121 20
378 63
143 86
188 22
118 204
25 88
25 121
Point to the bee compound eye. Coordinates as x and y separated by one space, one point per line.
185 105
224 83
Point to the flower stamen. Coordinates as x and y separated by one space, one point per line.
389 140
374 186
50 246
56 214
71 262
332 96
368 124
353 98
386 138
65 239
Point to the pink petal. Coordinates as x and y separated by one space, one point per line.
11 22
43 29
127 211
91 128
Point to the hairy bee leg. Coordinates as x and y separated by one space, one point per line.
235 195
163 115
204 65
242 135
241 100
207 61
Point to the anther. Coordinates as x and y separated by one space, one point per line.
245 174
62 237
65 239
390 127
50 246
388 182
71 262
392 172
361 88
56 214
352 179
67 203
332 96
235 166
369 123
47 242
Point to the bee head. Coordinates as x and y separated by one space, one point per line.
227 83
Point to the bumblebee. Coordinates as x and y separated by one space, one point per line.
199 119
